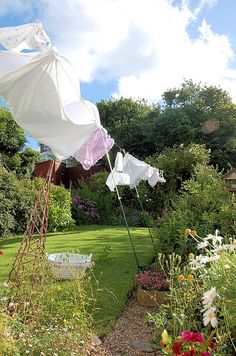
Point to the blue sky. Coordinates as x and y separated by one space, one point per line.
137 48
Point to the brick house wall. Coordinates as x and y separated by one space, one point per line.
63 175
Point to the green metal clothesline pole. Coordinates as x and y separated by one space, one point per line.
124 215
141 205
145 217
128 230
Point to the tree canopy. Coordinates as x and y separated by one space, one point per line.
16 157
192 113
12 138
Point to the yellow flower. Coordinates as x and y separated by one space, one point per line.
187 232
165 337
190 278
191 256
193 233
180 278
168 348
179 339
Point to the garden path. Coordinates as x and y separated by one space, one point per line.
130 328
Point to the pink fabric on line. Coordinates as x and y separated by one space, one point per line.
94 148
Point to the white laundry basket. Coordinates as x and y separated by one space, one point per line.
68 265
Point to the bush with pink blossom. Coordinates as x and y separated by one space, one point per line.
152 280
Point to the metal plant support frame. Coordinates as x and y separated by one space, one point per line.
28 263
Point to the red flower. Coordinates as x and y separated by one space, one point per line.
177 349
212 345
1 253
192 352
189 336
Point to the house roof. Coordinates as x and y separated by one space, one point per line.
230 175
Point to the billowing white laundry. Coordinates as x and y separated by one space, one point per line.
42 92
29 36
136 170
119 162
117 178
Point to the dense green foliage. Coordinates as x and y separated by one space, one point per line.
178 165
59 217
22 163
131 123
12 137
204 204
93 202
17 197
16 200
222 276
192 113
212 115
13 154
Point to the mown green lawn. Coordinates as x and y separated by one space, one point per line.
115 269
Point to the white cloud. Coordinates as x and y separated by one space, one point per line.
202 4
142 44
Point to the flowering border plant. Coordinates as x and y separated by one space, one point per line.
152 280
189 343
202 298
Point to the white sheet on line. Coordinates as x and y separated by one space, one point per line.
42 92
133 171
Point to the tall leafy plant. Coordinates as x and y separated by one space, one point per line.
204 205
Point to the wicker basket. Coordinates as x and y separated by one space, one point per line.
69 266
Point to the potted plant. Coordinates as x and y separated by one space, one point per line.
152 288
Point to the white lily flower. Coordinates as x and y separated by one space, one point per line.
213 258
198 262
202 259
208 298
215 238
203 244
210 317
232 246
220 248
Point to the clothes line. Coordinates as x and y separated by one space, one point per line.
129 171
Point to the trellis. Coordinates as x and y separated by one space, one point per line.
28 266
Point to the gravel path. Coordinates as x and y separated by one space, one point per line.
130 327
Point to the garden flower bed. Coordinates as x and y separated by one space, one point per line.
152 288
200 318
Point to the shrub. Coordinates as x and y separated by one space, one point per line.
84 211
16 201
221 275
204 205
152 280
178 164
94 191
59 216
17 197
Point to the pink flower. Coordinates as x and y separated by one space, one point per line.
189 336
152 280
177 349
